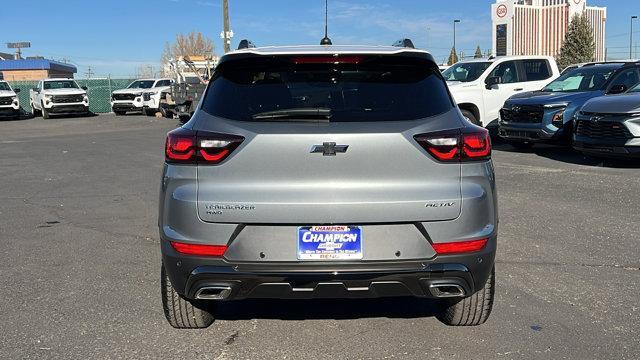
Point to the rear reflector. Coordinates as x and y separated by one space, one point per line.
459 247
457 145
199 249
186 146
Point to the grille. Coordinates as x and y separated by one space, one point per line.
6 101
602 130
124 96
522 114
66 99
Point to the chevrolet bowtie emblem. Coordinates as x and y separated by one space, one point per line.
329 149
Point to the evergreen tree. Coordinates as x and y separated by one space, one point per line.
578 46
453 57
478 54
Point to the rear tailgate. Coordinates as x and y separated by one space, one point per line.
383 176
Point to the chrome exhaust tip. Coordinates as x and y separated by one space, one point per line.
446 290
213 292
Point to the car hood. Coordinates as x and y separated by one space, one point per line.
4 93
545 97
130 91
64 92
614 104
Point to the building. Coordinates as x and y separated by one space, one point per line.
5 56
35 69
538 27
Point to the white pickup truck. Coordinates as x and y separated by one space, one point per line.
58 96
481 86
9 102
142 95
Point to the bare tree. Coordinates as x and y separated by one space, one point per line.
192 44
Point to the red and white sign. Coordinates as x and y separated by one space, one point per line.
501 10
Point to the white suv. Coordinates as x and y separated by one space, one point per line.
481 86
132 98
9 102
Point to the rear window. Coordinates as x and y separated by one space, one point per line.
348 88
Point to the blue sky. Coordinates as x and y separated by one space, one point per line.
116 36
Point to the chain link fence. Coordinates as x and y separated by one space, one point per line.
98 90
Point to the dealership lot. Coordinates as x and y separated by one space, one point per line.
81 262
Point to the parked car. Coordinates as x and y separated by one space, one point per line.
609 126
153 98
131 98
286 184
481 86
546 115
9 102
58 97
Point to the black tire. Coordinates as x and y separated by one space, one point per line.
119 113
35 112
149 112
469 115
521 145
183 313
473 310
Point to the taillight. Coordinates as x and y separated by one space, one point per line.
460 247
196 147
199 249
457 145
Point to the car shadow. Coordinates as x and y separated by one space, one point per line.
565 153
322 309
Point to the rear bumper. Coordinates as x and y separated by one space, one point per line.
305 280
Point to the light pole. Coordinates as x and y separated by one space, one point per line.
454 32
631 38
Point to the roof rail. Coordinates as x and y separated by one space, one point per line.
245 44
407 43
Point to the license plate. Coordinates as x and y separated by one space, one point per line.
329 243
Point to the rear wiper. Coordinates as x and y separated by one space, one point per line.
301 114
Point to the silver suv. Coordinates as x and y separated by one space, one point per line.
327 172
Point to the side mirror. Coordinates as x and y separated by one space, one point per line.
491 81
16 90
83 87
617 89
35 90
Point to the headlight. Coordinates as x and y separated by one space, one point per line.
558 119
48 97
153 93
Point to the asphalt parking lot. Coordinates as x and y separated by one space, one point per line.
80 262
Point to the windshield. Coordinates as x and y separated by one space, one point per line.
588 78
141 84
4 86
359 89
465 72
60 84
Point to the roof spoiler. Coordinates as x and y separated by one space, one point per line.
245 44
405 43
